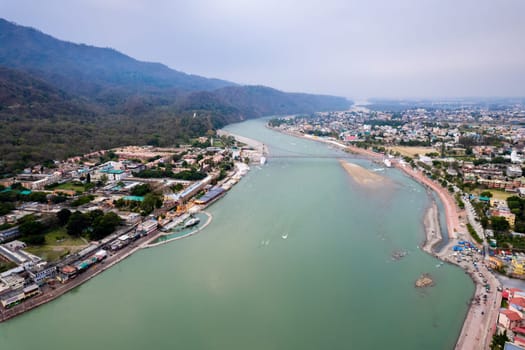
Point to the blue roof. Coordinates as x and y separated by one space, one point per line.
133 198
511 346
112 171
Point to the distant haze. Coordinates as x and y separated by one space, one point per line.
356 49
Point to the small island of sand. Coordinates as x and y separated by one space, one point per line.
362 176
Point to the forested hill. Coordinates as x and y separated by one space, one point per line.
256 101
59 99
22 94
89 70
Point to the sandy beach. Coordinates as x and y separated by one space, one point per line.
363 176
432 229
452 212
256 145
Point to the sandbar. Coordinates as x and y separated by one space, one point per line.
363 176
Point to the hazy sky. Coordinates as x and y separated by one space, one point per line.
356 49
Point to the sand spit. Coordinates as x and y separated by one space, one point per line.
432 229
362 176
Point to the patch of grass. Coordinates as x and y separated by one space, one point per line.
70 186
48 253
474 234
496 194
82 200
58 244
6 265
218 143
59 237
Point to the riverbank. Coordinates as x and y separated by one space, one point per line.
226 278
151 243
452 213
256 145
52 292
477 329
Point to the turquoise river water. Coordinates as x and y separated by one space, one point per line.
238 284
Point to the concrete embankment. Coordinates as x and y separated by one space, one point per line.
53 292
151 243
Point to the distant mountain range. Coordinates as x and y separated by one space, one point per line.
49 87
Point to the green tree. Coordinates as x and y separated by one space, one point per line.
18 186
82 200
35 240
31 227
103 179
177 187
104 225
40 197
499 340
77 223
484 221
63 216
55 199
6 208
150 202
499 224
486 194
140 190
94 215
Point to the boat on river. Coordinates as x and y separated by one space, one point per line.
192 222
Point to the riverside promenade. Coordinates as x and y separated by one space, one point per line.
51 292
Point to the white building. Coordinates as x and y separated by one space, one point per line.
514 171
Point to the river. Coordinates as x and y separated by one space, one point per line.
298 256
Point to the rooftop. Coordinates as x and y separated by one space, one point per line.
511 315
